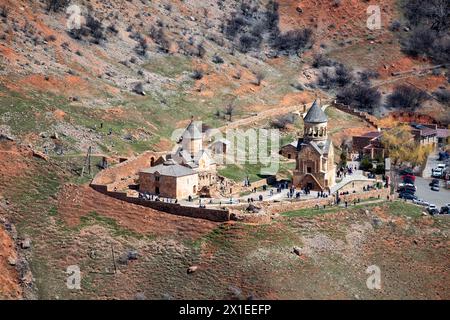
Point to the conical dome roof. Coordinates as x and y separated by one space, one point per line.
192 131
315 114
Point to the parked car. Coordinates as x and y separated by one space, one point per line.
409 178
437 173
408 196
421 202
432 209
434 182
435 188
445 210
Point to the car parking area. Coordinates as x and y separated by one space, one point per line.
424 192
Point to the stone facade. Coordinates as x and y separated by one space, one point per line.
176 187
315 168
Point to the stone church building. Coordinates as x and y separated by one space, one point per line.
183 173
315 168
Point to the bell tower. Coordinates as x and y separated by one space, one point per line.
315 124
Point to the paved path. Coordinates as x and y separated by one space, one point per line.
356 176
432 162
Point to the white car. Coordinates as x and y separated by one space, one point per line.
421 202
441 166
437 173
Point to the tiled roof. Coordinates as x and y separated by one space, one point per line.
171 169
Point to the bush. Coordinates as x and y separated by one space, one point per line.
57 5
282 122
406 97
248 42
141 47
365 165
367 75
430 35
321 61
4 12
259 76
395 25
159 37
197 74
217 59
380 169
339 76
360 96
139 88
293 41
443 96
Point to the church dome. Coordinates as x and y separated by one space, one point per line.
315 114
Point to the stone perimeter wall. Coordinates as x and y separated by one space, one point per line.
125 169
216 215
274 208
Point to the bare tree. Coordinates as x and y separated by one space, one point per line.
406 97
259 77
229 109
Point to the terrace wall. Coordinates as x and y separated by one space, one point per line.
172 208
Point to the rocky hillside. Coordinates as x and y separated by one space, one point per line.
121 75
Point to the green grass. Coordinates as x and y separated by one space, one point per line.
402 208
310 212
253 171
169 66
94 218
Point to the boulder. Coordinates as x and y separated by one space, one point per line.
26 243
12 261
192 269
132 255
297 251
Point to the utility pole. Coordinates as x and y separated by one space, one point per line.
87 162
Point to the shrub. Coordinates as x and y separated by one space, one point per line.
365 164
259 76
293 41
248 42
380 169
339 76
321 61
443 96
57 5
139 88
197 74
159 37
430 23
283 121
141 47
406 97
229 110
360 96
4 12
217 59
395 25
366 75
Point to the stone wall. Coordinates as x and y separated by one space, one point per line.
363 115
286 206
216 215
125 169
